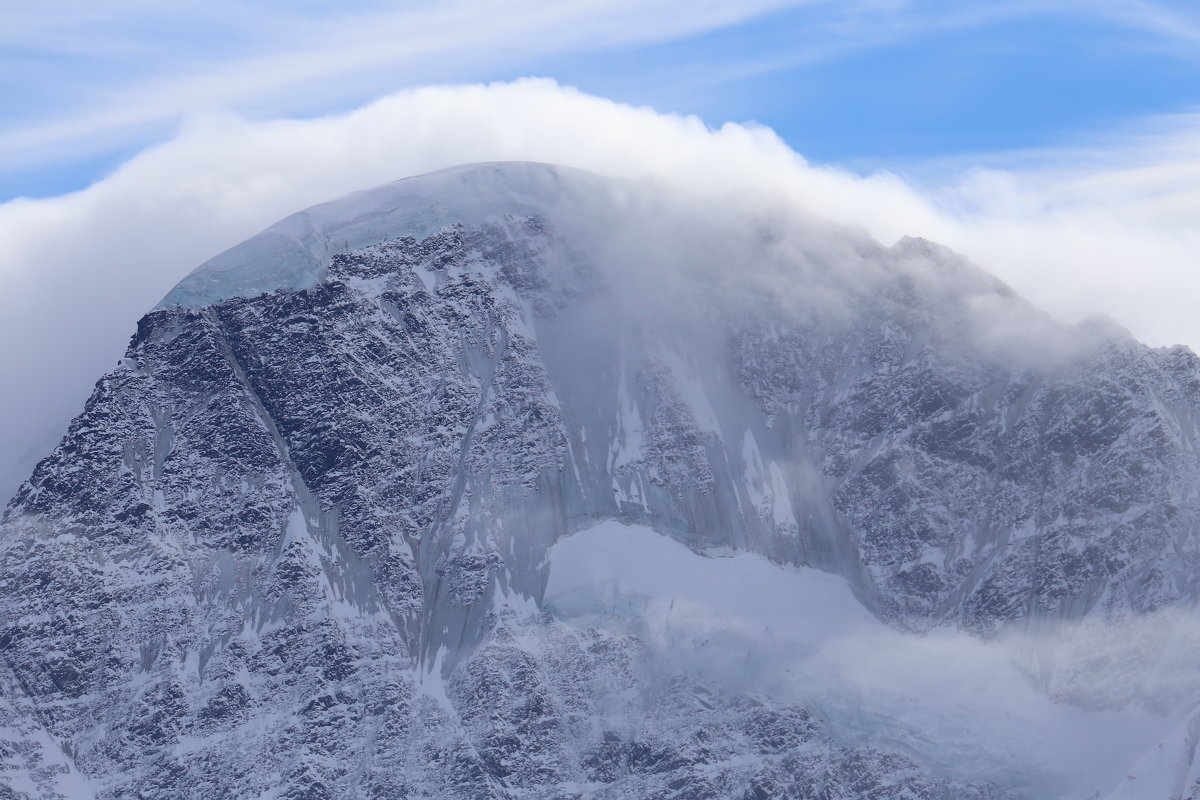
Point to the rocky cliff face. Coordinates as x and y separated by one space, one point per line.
298 543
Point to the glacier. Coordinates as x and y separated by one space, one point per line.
513 480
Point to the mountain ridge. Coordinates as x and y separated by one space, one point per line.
298 542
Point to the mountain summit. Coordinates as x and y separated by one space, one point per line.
513 481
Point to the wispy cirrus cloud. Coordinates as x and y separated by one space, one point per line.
94 77
1174 21
79 79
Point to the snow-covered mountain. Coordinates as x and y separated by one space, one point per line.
512 481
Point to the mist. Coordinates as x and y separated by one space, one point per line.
1062 708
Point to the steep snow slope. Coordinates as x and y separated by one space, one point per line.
293 253
307 539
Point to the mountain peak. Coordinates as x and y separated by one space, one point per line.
511 481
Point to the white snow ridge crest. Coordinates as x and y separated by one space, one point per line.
512 481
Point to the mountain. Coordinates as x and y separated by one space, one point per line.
514 481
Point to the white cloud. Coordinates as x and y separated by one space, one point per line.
1067 707
1111 228
77 271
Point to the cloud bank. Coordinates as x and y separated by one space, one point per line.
1070 708
1110 231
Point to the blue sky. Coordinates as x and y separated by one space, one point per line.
867 84
1015 82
